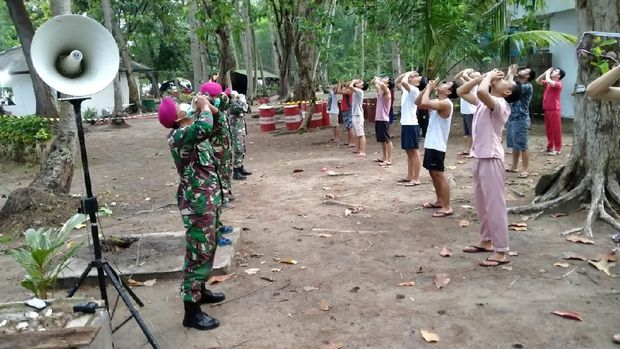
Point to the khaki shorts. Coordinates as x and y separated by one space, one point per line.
358 125
333 120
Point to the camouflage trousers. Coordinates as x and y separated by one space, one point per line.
200 238
224 161
238 139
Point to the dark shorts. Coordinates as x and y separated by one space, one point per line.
410 137
517 134
347 119
468 119
433 160
382 129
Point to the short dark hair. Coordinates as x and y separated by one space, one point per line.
562 73
453 94
516 93
423 83
391 84
365 86
532 75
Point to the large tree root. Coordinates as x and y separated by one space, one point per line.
603 194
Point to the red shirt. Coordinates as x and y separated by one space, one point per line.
345 103
551 97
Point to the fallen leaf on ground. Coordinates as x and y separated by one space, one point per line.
445 252
467 207
219 278
327 188
325 169
323 235
330 196
580 239
464 223
134 283
323 305
570 255
518 228
451 167
513 253
267 278
567 314
252 271
310 288
561 265
297 170
150 283
429 336
602 265
611 256
507 267
408 283
441 280
347 212
333 346
298 228
518 224
80 226
559 214
286 261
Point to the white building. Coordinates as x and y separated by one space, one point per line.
15 76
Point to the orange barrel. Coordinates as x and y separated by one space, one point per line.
317 117
370 107
323 109
292 117
267 118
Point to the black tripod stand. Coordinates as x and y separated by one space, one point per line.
89 207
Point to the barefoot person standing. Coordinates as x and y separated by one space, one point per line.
358 87
382 118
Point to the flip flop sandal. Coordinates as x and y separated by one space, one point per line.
385 164
404 180
477 249
511 171
493 263
412 184
441 214
523 175
463 153
377 160
431 205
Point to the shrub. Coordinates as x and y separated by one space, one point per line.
20 135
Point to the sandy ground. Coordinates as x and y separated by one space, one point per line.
355 275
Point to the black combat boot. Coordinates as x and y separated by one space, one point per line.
210 297
238 175
244 172
195 318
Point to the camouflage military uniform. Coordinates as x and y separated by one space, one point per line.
221 142
238 130
199 196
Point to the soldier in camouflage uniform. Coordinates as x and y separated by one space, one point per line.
238 107
198 195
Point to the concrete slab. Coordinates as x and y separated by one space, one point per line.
153 256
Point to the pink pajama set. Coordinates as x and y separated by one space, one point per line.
489 172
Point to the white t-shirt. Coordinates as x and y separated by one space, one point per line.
356 103
408 109
466 107
333 107
438 131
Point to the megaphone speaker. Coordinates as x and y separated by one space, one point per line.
75 55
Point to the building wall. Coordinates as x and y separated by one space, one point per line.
564 56
25 101
23 95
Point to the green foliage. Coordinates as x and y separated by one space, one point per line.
46 254
597 50
8 35
90 113
19 133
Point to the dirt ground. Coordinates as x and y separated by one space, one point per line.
345 288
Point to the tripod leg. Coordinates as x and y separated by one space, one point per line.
129 290
81 280
134 312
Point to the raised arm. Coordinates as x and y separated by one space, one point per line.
483 91
399 79
465 91
512 70
405 82
548 77
462 77
602 88
352 85
441 106
539 79
418 99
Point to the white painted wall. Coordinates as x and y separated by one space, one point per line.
565 57
25 102
23 95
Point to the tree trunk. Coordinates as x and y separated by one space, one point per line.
284 17
259 64
362 48
330 27
195 46
47 191
593 168
117 114
227 60
134 95
248 52
45 102
396 62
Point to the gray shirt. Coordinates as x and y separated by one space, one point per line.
356 104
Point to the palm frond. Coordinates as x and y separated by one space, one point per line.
535 39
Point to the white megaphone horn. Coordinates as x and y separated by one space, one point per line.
75 55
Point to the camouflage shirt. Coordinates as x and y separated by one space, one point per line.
519 110
199 190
